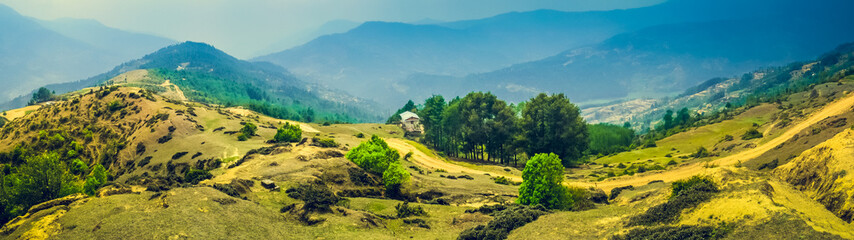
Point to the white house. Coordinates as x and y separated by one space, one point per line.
410 122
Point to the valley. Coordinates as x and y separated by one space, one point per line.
652 120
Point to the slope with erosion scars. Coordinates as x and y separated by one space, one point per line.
835 108
422 159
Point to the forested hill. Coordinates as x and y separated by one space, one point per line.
208 75
716 95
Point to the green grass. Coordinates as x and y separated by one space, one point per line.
687 142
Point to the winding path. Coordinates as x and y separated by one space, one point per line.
835 108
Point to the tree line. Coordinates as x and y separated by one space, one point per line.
482 127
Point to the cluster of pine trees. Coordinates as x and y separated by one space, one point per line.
480 126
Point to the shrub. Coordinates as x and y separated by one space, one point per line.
394 177
682 185
751 134
78 167
360 135
375 156
96 179
195 176
405 210
686 194
247 131
701 153
504 221
317 197
726 138
288 133
675 233
115 105
323 142
541 184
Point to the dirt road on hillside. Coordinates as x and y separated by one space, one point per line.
423 160
838 107
835 108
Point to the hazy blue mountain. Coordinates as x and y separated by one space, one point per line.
32 55
123 43
377 55
656 61
331 27
206 74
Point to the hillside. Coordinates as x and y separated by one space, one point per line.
783 83
36 53
208 75
126 128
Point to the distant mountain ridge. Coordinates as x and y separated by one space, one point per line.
208 75
34 53
379 55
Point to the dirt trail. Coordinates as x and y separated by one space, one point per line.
838 107
178 93
423 160
835 108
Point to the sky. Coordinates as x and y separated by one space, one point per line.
244 28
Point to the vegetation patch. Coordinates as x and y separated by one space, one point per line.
405 210
323 142
675 233
504 221
685 194
375 156
288 133
195 176
317 197
543 185
751 133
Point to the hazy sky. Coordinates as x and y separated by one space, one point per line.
244 27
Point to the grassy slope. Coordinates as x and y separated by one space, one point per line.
107 215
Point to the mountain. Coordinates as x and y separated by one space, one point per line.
331 27
653 62
378 55
33 55
112 40
206 74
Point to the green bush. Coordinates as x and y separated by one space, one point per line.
78 167
323 142
96 179
247 131
751 134
685 184
394 177
504 221
40 178
686 194
317 197
701 153
541 184
405 210
288 133
375 156
675 233
195 176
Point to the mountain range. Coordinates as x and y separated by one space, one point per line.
402 61
34 53
208 75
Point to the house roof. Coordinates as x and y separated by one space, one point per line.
408 115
